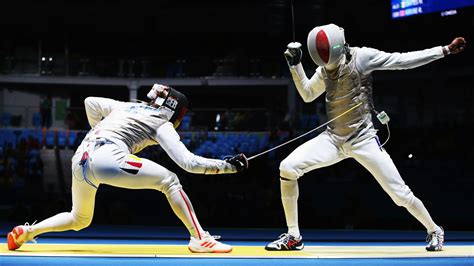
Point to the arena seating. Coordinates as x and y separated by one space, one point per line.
64 139
211 144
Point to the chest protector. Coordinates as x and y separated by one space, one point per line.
345 88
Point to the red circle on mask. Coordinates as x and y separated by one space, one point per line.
322 46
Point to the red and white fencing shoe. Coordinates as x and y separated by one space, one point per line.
208 244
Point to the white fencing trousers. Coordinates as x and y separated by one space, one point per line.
112 164
322 151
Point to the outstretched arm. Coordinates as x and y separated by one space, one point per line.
98 108
170 142
371 59
309 89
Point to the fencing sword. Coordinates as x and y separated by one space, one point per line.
293 21
304 134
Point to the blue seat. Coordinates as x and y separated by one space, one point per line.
6 119
50 139
24 135
186 142
244 147
62 140
200 151
72 139
36 120
9 138
232 136
185 123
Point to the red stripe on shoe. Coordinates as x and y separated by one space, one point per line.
11 242
190 213
18 231
136 164
212 245
203 244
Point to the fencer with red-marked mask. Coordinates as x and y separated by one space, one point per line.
344 76
326 45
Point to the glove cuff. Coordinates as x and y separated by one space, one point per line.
446 50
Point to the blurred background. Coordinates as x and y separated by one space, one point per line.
227 57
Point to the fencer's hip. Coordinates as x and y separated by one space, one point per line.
82 161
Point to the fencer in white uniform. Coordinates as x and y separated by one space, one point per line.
105 156
345 74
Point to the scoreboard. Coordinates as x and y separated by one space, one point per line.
406 8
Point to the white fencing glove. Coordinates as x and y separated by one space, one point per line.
293 53
155 93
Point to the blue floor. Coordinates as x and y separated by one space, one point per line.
222 262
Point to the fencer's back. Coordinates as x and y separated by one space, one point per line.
134 124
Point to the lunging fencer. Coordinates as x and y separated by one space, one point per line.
105 156
345 74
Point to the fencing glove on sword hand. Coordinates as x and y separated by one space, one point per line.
293 53
239 161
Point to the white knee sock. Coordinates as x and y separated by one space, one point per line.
418 210
183 208
58 223
289 198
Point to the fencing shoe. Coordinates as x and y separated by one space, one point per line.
435 240
18 236
286 242
208 244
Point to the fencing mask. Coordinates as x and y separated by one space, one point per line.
174 105
326 44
